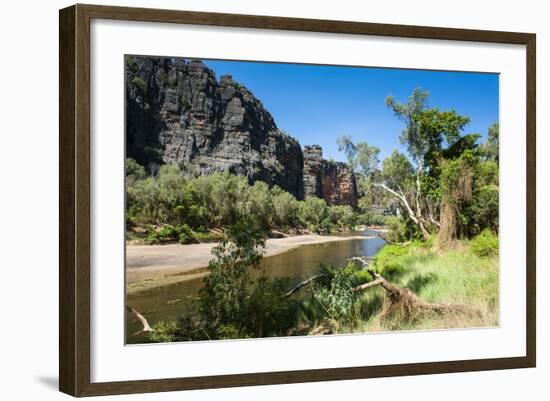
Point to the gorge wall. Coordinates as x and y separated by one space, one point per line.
178 113
332 181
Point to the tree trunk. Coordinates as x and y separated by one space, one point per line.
417 219
405 304
448 223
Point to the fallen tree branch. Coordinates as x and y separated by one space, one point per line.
302 284
406 303
368 285
146 327
361 259
322 329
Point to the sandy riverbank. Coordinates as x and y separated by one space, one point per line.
150 266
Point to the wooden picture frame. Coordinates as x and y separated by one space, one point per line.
74 203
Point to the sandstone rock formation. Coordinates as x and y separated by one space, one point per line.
333 181
178 113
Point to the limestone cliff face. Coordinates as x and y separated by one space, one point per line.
333 181
178 113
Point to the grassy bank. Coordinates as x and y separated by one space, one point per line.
461 275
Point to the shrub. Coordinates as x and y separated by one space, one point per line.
140 83
485 244
361 277
224 298
266 310
185 234
342 216
163 332
285 207
168 233
401 229
482 213
185 101
312 212
131 64
134 171
371 218
163 234
334 292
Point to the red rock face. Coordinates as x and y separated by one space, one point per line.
333 181
313 171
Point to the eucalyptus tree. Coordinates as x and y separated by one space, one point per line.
490 148
430 136
364 160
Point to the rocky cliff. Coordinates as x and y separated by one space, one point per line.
177 112
333 181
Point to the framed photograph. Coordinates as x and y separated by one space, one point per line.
250 200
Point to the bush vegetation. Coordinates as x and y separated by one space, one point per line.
485 244
140 83
173 207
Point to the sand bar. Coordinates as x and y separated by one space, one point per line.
151 266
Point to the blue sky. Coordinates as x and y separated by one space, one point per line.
317 104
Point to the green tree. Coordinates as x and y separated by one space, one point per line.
490 149
362 157
312 213
258 204
224 294
426 134
483 211
134 171
457 186
285 208
342 216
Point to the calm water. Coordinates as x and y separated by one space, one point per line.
169 302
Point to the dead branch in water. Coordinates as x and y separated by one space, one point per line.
302 284
362 259
313 278
141 318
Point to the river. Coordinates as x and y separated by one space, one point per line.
171 301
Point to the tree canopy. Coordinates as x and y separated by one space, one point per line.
437 182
